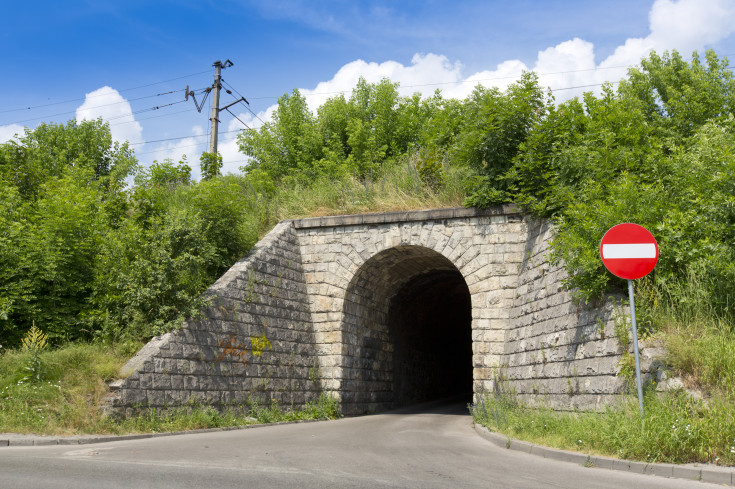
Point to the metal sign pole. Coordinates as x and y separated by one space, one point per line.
635 346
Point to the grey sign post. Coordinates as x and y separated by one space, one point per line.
630 251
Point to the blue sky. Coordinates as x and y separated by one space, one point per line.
112 59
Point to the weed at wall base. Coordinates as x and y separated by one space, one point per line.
676 428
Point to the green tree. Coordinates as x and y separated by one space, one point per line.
151 271
679 97
659 152
494 125
49 150
287 145
372 124
210 165
62 186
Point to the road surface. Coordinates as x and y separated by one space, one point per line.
429 447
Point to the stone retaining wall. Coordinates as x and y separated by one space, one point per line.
320 304
558 352
254 342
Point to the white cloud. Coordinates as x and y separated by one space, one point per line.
9 132
425 74
686 25
190 147
232 159
108 104
569 67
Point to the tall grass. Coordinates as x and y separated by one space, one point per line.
196 416
67 400
676 428
397 187
699 338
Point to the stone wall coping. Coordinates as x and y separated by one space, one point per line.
404 216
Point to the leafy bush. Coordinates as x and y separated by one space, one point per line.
86 257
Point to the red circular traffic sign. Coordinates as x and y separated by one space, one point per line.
629 251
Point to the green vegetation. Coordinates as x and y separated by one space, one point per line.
87 257
676 428
65 399
197 416
100 253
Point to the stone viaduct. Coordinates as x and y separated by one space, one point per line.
384 310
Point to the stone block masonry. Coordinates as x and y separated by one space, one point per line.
557 352
254 342
382 310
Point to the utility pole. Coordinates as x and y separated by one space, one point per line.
215 105
214 89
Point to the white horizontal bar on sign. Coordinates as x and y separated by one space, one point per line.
632 250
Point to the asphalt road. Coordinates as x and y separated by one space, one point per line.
430 447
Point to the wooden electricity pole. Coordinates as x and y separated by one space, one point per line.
214 90
215 105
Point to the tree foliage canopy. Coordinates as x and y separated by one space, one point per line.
83 254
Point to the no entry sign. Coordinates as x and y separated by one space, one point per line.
629 251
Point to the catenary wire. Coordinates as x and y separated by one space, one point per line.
98 106
247 105
239 130
123 90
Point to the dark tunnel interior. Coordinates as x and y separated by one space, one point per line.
430 324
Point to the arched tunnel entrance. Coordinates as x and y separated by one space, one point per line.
407 332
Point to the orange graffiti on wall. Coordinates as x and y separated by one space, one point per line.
232 348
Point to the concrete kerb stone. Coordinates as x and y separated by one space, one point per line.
717 475
37 441
691 473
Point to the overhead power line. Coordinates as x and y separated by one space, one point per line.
101 95
246 106
179 138
165 114
214 103
240 130
124 101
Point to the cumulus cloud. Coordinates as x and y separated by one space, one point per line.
189 148
425 74
10 132
686 25
568 68
232 159
108 104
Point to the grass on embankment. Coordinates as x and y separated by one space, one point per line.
72 383
676 428
398 188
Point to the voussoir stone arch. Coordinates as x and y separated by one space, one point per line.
389 359
485 250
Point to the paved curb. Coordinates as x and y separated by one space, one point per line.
717 475
19 440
